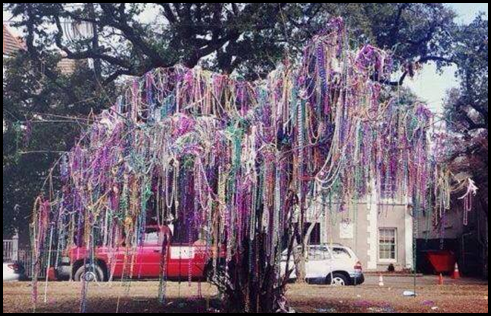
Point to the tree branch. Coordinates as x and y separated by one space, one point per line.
168 13
33 53
85 54
120 22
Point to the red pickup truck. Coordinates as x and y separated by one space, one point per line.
182 261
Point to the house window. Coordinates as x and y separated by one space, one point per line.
388 244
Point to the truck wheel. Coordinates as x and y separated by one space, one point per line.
337 279
89 273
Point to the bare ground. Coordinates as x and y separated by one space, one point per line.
463 296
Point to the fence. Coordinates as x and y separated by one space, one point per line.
11 249
26 260
8 246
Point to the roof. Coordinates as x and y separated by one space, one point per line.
11 44
67 66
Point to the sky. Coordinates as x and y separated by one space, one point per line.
431 86
428 84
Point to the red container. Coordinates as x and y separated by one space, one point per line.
52 274
442 261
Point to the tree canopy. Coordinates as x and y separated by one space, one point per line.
110 41
41 120
466 107
237 166
248 37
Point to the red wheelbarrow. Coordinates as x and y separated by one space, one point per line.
442 261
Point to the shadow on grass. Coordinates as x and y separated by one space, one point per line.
132 305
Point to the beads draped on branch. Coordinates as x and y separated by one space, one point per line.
220 155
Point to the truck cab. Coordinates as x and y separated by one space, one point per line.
155 255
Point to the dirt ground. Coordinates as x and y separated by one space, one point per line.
462 296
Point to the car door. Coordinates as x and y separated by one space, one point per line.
180 261
318 263
149 255
329 261
119 259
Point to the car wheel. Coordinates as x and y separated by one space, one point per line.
89 274
337 279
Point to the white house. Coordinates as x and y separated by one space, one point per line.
380 231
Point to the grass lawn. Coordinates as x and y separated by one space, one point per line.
454 297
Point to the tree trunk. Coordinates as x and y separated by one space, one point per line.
258 292
301 255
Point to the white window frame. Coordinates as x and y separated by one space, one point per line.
395 260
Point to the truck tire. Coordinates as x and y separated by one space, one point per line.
337 279
89 273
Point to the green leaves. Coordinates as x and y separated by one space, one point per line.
250 38
40 108
466 107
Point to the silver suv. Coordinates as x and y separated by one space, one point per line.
330 264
